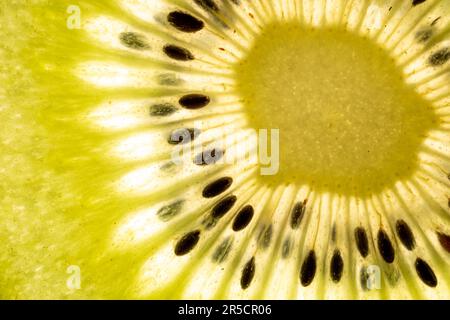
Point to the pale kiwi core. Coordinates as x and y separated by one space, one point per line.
348 122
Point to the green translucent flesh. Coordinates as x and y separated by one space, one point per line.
348 122
58 208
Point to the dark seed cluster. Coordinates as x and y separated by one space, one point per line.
223 206
222 251
185 22
248 273
243 218
297 214
385 246
362 243
217 187
405 234
364 278
187 243
425 273
440 57
178 53
308 269
265 237
171 210
194 101
286 248
133 40
424 35
162 110
336 266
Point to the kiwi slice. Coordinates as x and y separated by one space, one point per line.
353 97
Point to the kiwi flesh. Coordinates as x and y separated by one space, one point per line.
96 96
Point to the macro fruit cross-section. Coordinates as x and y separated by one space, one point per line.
225 149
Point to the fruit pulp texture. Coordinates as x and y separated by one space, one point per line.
347 120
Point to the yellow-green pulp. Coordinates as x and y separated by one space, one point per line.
348 121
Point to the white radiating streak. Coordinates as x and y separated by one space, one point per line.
250 250
152 12
119 115
277 283
206 39
356 15
155 177
396 274
185 263
142 146
149 223
398 11
375 17
275 219
116 75
219 271
126 114
151 144
107 31
333 11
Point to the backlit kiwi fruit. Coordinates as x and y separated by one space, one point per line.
343 106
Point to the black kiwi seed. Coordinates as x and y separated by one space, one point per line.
171 210
208 5
187 243
308 269
297 214
185 22
362 243
133 41
405 234
385 246
286 249
243 218
424 35
265 237
364 278
416 2
440 57
183 136
162 110
425 273
222 251
223 206
336 266
248 273
178 53
194 101
208 157
217 187
444 240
